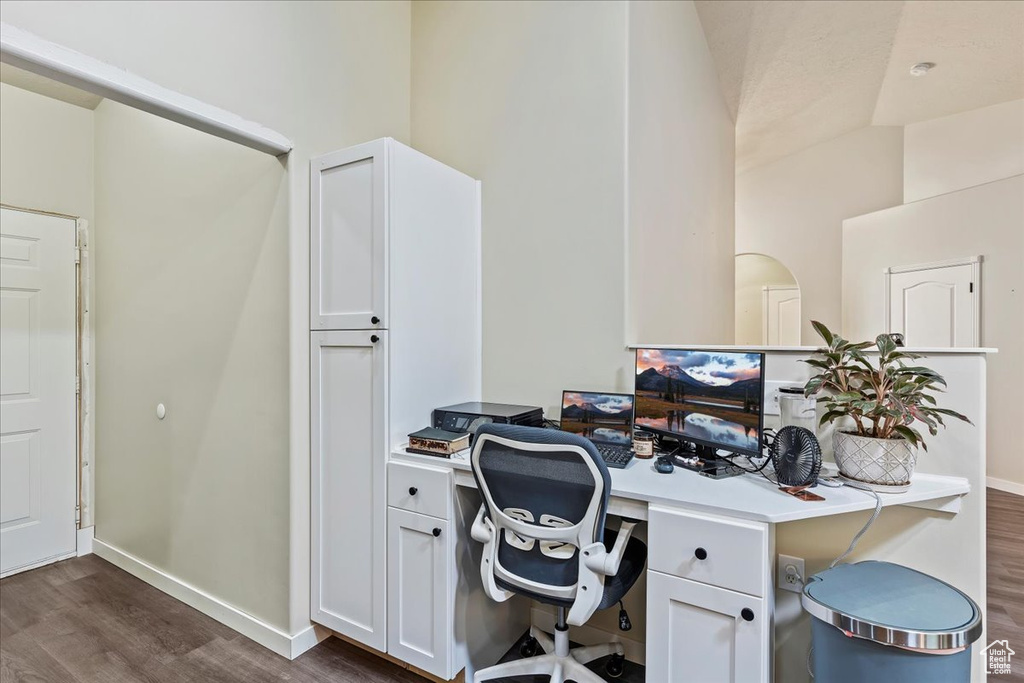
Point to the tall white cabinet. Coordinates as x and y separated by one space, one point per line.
394 333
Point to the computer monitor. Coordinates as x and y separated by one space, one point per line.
602 418
709 398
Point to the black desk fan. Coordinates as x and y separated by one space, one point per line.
796 456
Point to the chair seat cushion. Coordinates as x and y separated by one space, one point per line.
632 565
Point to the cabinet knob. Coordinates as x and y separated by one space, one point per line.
374 338
747 614
413 490
700 554
374 320
437 532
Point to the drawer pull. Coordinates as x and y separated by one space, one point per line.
747 614
374 338
413 490
437 532
700 554
374 320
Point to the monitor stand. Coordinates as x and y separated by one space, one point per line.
708 464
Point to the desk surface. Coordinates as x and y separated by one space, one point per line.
748 496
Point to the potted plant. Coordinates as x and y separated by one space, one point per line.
885 403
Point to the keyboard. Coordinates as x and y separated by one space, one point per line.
616 457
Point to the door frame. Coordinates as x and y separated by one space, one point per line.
973 261
84 375
765 291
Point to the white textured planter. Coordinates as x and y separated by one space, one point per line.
879 462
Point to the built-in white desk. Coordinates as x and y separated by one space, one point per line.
745 497
694 600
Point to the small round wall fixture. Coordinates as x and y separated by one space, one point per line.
921 68
161 411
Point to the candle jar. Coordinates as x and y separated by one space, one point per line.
643 445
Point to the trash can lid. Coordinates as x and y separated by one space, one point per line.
893 605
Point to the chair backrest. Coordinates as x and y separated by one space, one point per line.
546 493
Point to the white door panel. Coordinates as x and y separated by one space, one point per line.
37 389
420 609
349 239
935 306
697 632
781 315
348 403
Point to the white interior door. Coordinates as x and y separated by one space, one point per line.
781 316
936 305
37 389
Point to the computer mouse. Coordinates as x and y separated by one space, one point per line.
664 466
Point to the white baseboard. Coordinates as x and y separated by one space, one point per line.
84 541
308 638
268 636
634 650
1005 485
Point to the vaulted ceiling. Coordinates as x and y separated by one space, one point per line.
798 72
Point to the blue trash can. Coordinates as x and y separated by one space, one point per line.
878 621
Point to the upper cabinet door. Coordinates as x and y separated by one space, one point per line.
348 239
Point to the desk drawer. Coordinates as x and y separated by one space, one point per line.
729 553
420 488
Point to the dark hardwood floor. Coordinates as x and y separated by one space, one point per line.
1005 615
86 621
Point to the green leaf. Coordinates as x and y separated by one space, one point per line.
822 331
951 413
908 434
885 344
831 415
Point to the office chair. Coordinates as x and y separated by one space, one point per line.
545 496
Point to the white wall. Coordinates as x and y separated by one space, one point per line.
529 97
793 210
753 272
963 150
681 178
190 237
45 153
326 75
986 220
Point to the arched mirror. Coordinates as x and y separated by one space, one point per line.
767 302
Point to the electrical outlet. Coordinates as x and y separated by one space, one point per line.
791 576
771 396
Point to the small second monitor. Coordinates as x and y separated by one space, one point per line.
601 417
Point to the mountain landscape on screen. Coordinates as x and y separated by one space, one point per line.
599 417
712 398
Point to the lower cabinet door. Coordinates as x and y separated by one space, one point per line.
348 496
697 632
420 592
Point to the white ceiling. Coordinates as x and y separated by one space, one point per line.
795 72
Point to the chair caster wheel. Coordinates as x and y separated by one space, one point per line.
529 648
614 666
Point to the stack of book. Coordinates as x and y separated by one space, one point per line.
440 442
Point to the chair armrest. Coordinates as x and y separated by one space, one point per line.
600 560
483 528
